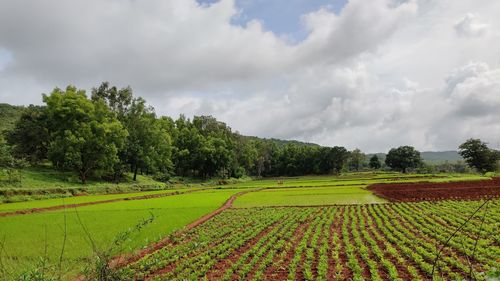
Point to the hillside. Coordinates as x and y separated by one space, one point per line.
441 156
433 157
9 115
279 142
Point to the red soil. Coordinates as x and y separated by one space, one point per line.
437 191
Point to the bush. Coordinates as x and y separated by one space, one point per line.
162 177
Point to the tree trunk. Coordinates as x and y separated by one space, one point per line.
83 177
135 173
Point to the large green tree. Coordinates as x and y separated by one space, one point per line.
84 136
478 156
148 144
403 158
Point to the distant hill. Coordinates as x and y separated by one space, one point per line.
433 157
279 142
441 156
9 114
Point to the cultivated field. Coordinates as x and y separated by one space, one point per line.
377 241
300 228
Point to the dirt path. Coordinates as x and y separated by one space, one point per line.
68 206
130 258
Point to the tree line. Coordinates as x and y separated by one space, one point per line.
111 132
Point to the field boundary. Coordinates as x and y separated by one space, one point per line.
76 205
123 260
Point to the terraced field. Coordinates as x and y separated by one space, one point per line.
397 241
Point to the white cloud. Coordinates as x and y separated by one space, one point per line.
378 74
469 26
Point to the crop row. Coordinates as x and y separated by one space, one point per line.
396 241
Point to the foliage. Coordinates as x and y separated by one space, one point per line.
84 135
356 160
403 158
375 162
9 164
9 114
478 156
30 136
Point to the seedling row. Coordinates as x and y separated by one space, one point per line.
396 241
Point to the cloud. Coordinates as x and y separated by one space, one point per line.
469 26
374 75
361 26
474 90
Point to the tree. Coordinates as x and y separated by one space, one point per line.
478 156
148 143
375 162
84 136
30 136
11 165
118 100
356 159
403 158
340 156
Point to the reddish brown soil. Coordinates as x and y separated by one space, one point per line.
69 206
423 191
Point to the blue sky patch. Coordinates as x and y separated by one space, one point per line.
281 16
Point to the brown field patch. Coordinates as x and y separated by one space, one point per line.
423 191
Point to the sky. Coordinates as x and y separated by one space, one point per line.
368 74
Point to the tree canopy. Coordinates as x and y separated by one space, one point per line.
84 134
375 162
403 158
478 156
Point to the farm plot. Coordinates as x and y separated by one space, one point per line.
27 238
438 191
351 179
396 241
47 204
308 196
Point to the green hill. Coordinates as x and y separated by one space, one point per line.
9 114
432 157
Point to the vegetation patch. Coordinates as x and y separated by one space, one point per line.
378 242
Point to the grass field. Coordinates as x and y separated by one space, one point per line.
385 239
7 207
25 237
